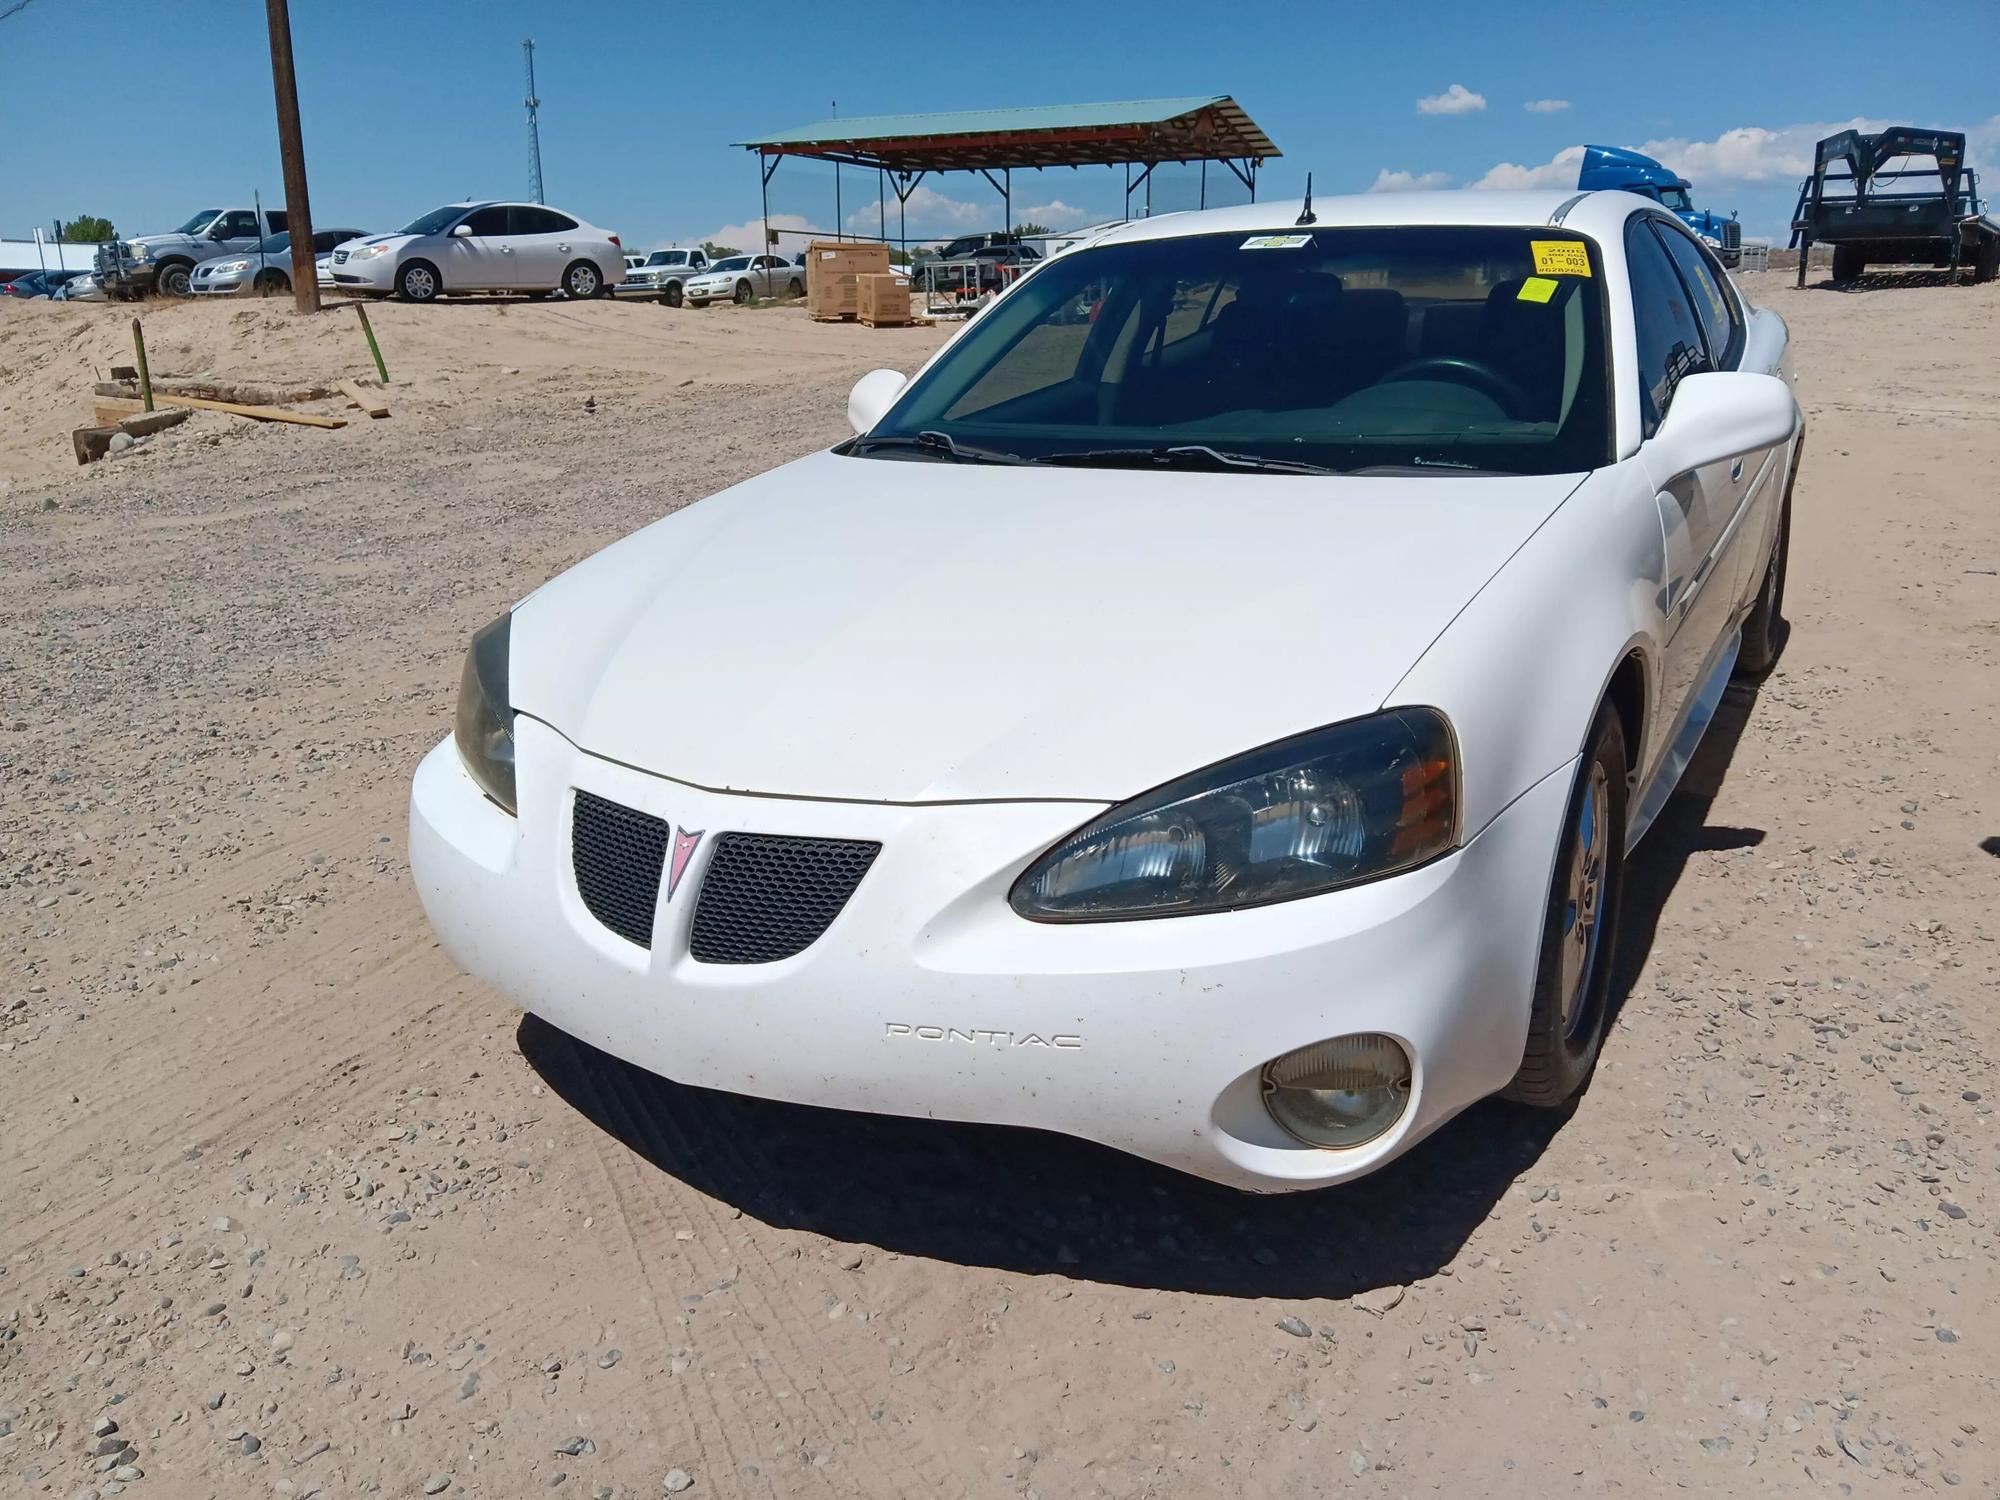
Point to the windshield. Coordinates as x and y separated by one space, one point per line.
199 222
1675 198
273 244
667 258
436 221
736 263
1344 348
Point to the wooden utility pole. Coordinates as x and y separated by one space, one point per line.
292 150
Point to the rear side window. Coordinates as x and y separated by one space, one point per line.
487 220
526 219
1665 325
1712 302
240 225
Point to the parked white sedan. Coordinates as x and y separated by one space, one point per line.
482 247
1205 711
744 278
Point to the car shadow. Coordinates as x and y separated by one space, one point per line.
1034 1203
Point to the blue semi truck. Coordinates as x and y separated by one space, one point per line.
1616 168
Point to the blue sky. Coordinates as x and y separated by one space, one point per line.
407 105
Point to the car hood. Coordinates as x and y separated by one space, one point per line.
894 631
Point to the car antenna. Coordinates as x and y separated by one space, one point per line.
1306 214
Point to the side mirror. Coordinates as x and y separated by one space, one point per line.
461 231
872 396
1719 415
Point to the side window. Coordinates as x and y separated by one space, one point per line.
1712 302
325 239
487 221
525 218
241 225
275 217
1666 329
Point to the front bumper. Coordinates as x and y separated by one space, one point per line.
375 274
929 997
207 283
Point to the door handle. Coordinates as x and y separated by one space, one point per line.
506 249
563 248
1736 469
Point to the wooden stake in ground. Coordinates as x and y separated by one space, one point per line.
145 379
373 348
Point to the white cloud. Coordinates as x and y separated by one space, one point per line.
746 237
1546 106
930 212
1408 182
1055 213
1558 171
1456 100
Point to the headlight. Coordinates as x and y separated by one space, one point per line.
369 252
1353 802
484 730
141 252
1711 241
233 265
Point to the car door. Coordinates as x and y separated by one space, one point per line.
237 230
1755 477
544 243
1696 507
482 259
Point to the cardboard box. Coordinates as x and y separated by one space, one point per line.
883 300
832 267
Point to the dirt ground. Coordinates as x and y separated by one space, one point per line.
303 1211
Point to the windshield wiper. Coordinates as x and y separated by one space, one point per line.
1184 456
941 444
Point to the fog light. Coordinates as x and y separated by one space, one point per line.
1341 1093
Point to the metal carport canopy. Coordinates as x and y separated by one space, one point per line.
1130 132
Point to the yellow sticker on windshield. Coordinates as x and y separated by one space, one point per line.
1560 257
1536 289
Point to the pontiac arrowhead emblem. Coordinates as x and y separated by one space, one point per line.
684 846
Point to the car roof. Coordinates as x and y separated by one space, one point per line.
1591 213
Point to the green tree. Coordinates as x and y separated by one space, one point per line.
718 252
1031 229
88 230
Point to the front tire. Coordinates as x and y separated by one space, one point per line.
794 289
582 281
418 281
673 296
744 295
174 279
1580 927
272 283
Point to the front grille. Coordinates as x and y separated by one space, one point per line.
618 854
340 257
1732 235
767 897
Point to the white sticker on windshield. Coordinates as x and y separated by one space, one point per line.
1277 242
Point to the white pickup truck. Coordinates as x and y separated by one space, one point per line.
662 274
163 263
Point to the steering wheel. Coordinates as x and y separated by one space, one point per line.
1456 367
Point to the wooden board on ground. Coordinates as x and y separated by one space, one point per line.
93 443
366 399
107 403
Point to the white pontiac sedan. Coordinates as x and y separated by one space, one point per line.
1206 710
482 247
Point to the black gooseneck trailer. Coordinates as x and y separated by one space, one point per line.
1869 218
